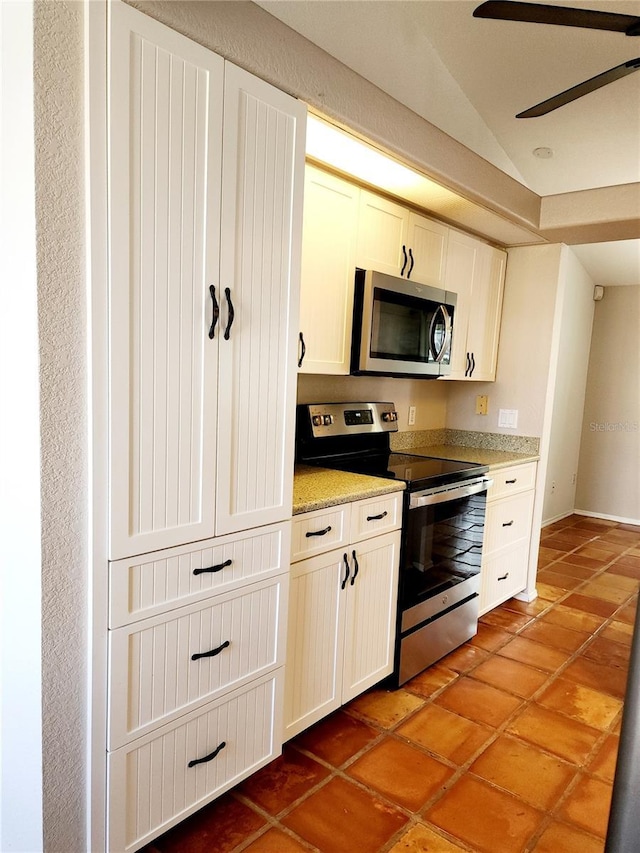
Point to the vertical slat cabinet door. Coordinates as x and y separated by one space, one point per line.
370 619
262 190
313 672
165 136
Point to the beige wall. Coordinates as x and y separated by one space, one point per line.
609 467
428 396
568 379
524 355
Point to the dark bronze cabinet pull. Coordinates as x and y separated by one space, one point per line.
468 367
511 482
473 364
303 350
209 757
507 523
377 517
213 569
346 577
216 311
213 653
404 265
410 270
318 532
504 577
232 314
356 568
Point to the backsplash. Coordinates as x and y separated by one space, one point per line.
465 438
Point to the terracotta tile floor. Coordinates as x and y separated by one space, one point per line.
506 745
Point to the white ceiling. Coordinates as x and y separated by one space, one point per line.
470 76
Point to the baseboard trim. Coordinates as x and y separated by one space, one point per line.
553 520
620 519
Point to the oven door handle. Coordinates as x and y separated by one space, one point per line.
437 496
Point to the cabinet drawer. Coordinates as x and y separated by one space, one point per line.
509 481
320 531
373 516
508 521
144 586
151 786
153 677
504 576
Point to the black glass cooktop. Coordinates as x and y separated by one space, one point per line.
416 471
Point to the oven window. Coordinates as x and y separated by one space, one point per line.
442 547
400 326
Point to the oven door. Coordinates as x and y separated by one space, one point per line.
441 549
401 327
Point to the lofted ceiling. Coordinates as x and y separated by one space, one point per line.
470 76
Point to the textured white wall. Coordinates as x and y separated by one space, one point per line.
58 72
609 469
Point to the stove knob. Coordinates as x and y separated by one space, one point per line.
388 417
328 420
317 420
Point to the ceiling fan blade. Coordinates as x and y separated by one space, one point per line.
581 89
564 16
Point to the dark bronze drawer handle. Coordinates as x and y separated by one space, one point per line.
377 517
507 523
212 653
511 482
318 532
504 577
209 757
211 569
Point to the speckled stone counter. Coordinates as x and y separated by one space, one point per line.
318 488
492 458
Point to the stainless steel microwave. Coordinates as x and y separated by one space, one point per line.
401 327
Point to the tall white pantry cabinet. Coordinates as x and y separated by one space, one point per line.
203 208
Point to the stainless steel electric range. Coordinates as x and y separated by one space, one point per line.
442 528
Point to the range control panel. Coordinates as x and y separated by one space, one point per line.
334 419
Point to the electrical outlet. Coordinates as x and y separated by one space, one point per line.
573 479
553 487
412 415
482 404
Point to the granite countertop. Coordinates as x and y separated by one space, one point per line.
319 488
483 456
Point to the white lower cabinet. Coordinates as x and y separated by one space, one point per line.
159 779
196 660
342 609
507 534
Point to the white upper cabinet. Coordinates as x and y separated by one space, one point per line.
184 218
262 193
475 272
382 233
328 269
394 240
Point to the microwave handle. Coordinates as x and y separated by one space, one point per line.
447 335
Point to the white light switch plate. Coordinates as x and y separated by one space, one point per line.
508 418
